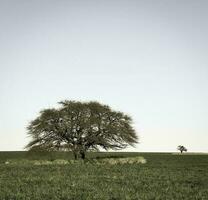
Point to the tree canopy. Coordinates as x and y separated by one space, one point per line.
80 127
181 148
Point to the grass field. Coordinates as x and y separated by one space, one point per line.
165 176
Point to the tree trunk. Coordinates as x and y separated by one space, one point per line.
181 151
82 153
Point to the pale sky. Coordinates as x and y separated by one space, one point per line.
147 58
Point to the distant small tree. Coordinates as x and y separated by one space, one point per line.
80 127
181 148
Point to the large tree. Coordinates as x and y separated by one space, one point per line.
80 127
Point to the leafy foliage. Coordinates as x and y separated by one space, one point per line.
182 148
81 127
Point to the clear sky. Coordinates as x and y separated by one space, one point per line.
146 58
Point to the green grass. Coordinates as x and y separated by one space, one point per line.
164 176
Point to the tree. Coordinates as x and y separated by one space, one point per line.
181 148
80 127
